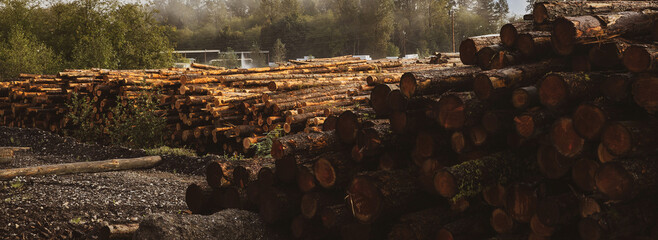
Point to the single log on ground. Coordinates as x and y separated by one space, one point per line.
437 81
549 11
564 90
118 231
565 139
621 221
583 172
471 226
569 31
82 167
469 47
303 144
509 32
502 222
630 138
228 224
525 97
461 109
521 201
497 85
469 178
534 122
624 179
383 195
334 170
644 93
421 225
534 45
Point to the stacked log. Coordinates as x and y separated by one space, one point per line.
536 147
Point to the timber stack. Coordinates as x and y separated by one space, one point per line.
206 108
548 132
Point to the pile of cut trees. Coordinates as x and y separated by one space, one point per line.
549 132
206 108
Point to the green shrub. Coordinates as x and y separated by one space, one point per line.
263 148
137 124
81 116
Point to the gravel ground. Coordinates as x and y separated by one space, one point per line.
74 206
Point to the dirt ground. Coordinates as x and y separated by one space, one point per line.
75 206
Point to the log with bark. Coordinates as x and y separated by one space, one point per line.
626 178
437 81
82 167
471 46
550 11
630 138
497 85
644 89
458 110
303 144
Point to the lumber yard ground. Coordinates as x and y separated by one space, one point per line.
75 206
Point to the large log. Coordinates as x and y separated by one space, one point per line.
549 11
534 122
378 98
496 85
644 93
469 178
334 170
564 90
590 117
630 138
458 110
485 56
509 32
625 179
565 139
534 45
82 167
303 144
622 221
551 163
469 47
437 81
569 31
384 195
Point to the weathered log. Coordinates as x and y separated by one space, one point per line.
371 140
624 179
378 98
569 31
472 226
622 221
82 167
549 11
496 85
608 56
422 224
302 143
534 45
485 56
502 222
437 81
458 110
644 89
383 195
564 90
471 46
469 178
534 122
583 172
565 139
509 32
347 126
630 138
525 97
334 170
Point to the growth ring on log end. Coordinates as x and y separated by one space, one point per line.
324 173
445 184
482 86
637 59
563 37
614 181
451 112
347 126
408 84
364 199
539 13
467 51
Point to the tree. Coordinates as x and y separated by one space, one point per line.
258 59
22 53
278 51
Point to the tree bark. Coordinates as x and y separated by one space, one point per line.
625 179
534 45
497 85
471 46
564 90
509 32
82 167
303 143
525 97
630 138
644 93
458 110
437 81
549 11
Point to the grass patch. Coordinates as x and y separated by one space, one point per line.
164 150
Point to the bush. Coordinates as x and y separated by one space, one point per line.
263 148
81 116
138 124
24 54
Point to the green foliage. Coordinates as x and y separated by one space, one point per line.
81 116
138 124
165 150
278 51
392 50
258 59
23 53
228 59
264 147
234 157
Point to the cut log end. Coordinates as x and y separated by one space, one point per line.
347 127
522 98
614 181
583 173
309 205
565 139
553 91
501 221
603 154
445 184
525 125
467 51
617 139
588 121
424 145
214 174
458 141
637 59
588 206
364 199
551 163
494 195
644 92
539 14
482 86
408 84
508 34
324 173
539 228
444 234
305 179
563 37
451 112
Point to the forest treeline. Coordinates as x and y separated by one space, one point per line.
48 36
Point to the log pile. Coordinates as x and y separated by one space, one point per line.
549 132
208 109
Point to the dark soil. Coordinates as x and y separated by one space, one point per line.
75 206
